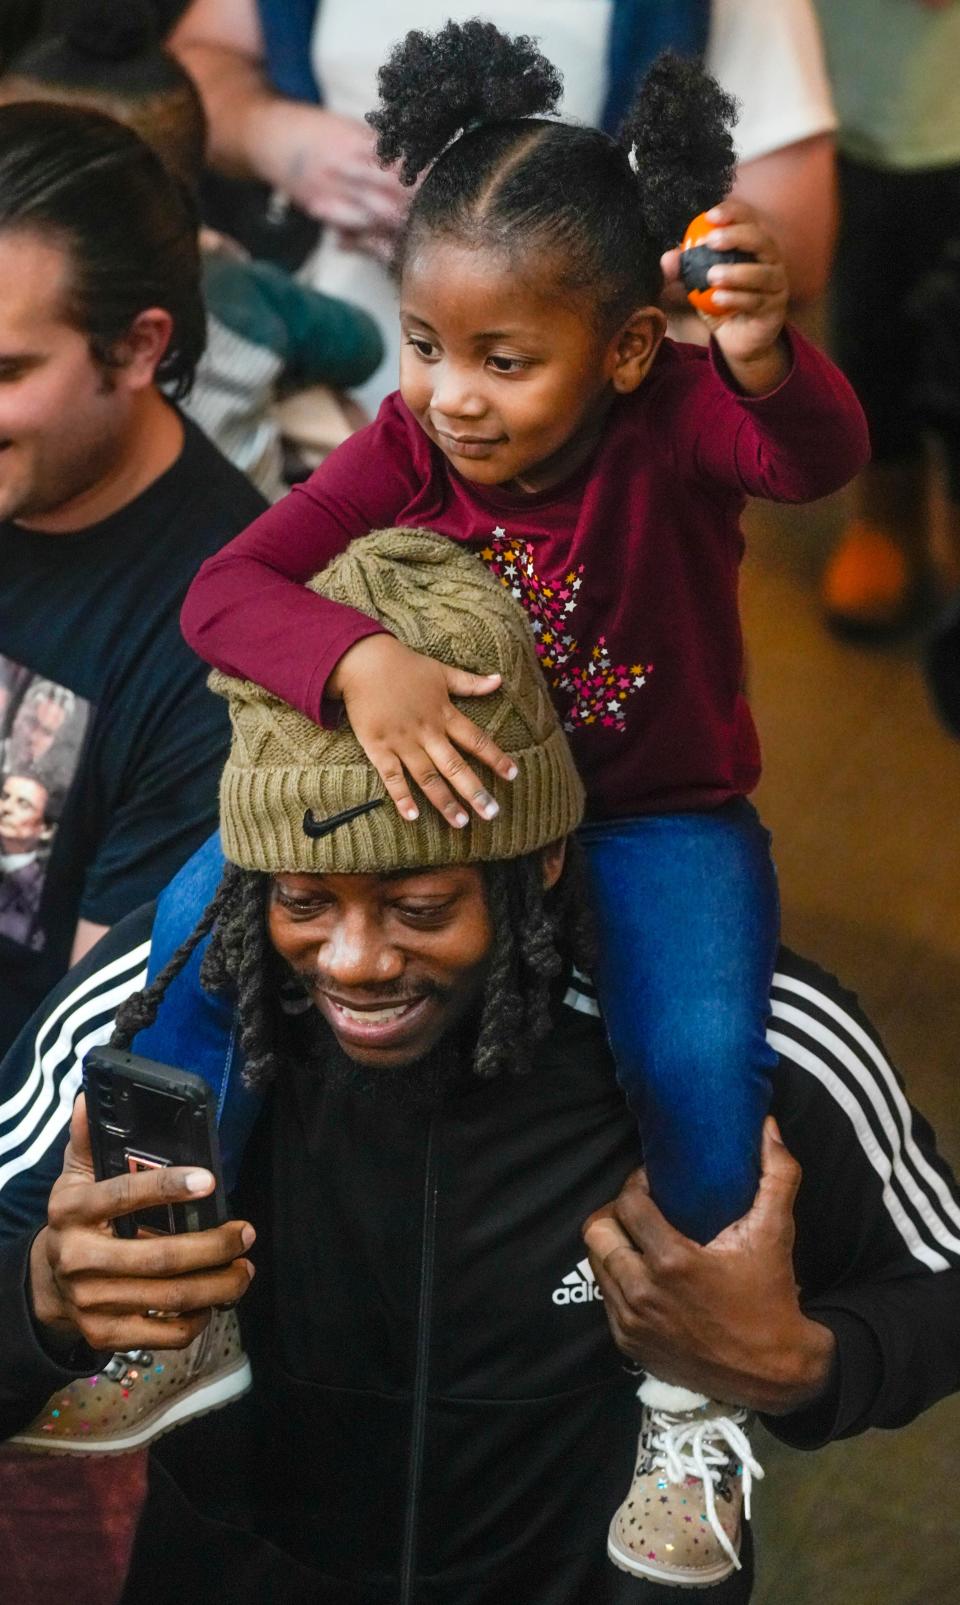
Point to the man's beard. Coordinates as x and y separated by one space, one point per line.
419 1087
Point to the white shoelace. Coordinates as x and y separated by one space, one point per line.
693 1446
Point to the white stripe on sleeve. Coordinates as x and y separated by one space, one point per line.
81 1021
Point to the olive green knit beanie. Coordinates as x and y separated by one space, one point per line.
284 772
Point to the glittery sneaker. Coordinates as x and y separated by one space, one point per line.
680 1522
140 1395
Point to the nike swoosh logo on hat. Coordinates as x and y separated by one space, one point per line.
314 827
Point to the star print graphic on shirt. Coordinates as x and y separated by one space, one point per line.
598 689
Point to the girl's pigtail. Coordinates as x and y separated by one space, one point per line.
678 138
435 85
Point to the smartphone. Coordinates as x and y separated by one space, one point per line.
144 1116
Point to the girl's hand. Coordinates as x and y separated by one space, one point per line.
756 294
398 703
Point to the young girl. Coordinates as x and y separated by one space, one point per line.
600 471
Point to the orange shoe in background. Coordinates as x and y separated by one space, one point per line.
871 586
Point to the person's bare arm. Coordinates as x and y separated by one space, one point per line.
794 191
220 44
725 1319
86 936
323 161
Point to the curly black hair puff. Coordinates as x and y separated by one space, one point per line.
434 85
679 129
536 933
524 184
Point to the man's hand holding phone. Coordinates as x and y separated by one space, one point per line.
84 1280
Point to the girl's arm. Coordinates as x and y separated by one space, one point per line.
247 611
249 614
776 418
803 440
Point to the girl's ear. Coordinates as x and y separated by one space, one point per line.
634 348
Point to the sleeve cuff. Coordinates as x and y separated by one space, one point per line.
855 1381
324 710
719 364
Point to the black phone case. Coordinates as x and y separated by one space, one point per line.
144 1115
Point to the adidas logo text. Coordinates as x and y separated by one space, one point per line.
578 1287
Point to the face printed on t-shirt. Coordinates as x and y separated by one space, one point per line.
23 804
38 722
42 728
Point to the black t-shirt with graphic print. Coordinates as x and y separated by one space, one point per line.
110 743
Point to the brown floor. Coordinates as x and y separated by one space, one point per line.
862 792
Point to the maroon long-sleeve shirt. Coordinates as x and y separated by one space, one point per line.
628 570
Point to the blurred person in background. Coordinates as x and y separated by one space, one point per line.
264 67
263 328
943 667
24 21
109 501
895 66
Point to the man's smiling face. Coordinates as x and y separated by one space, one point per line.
392 962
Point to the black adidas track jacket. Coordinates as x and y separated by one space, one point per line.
439 1416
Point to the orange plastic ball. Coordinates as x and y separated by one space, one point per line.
696 259
696 231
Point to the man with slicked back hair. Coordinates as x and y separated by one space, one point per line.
109 501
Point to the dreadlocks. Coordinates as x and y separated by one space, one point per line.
239 957
537 933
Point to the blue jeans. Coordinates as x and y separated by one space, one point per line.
688 921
